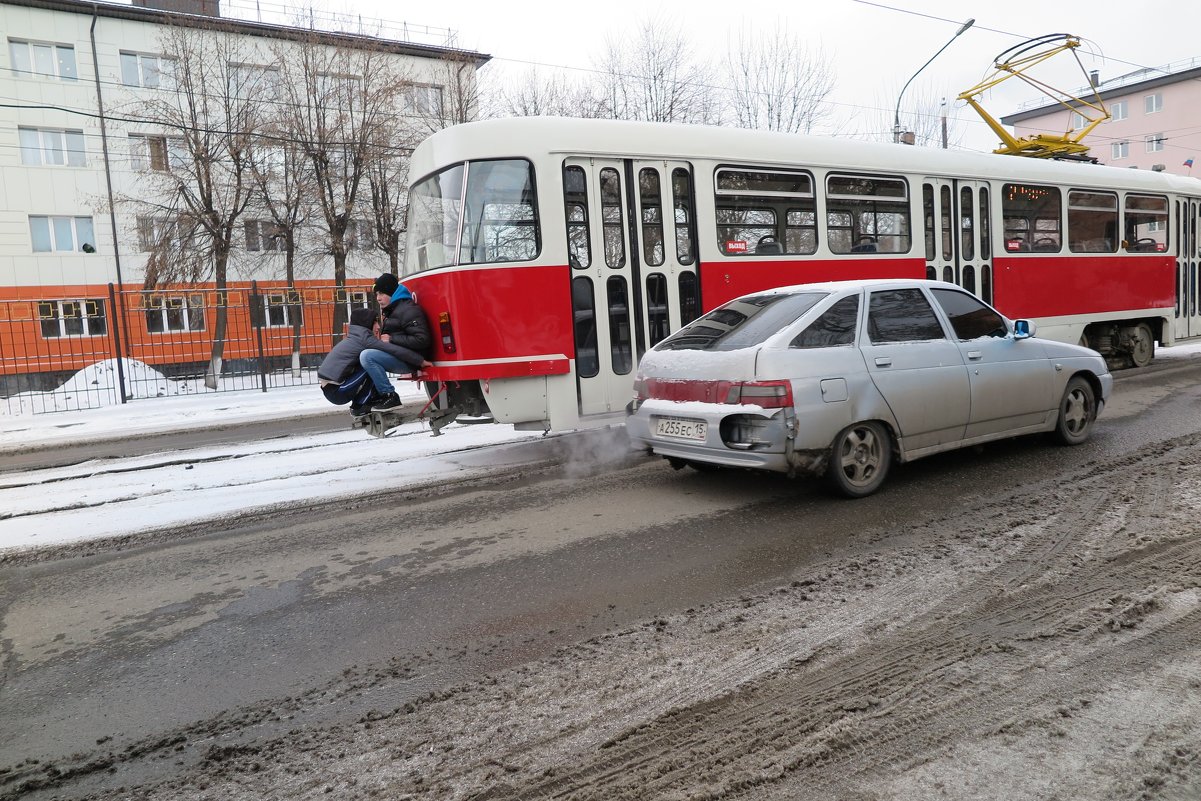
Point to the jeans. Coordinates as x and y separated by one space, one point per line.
378 364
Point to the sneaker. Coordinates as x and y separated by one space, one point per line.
389 401
359 411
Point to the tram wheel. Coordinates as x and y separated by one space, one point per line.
1142 349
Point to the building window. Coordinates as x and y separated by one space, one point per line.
72 318
1118 111
356 299
360 235
155 233
46 60
1119 150
284 310
1078 121
143 69
1154 142
51 146
1153 103
263 235
161 153
167 313
423 100
62 234
255 81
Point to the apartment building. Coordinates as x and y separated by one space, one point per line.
88 173
1154 121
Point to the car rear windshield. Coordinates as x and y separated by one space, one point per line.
742 323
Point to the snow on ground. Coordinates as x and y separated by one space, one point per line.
114 497
105 498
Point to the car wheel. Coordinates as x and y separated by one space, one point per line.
1142 349
1077 411
860 459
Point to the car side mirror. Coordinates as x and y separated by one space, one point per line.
1023 329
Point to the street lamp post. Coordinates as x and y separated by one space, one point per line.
896 117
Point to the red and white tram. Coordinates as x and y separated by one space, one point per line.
551 253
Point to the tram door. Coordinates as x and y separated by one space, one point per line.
1188 269
958 238
632 251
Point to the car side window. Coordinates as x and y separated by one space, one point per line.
901 315
835 326
970 318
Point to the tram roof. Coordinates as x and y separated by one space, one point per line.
530 136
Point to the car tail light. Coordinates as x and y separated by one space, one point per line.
447 333
768 394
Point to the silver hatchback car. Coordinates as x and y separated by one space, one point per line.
841 379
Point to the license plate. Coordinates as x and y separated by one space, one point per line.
680 428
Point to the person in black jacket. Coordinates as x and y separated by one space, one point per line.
342 377
404 324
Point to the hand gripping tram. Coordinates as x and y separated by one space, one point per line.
550 253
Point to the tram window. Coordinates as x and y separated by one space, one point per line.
610 185
656 308
1092 221
967 210
575 202
872 206
969 278
1146 223
500 222
928 222
435 209
652 216
583 308
619 325
985 228
1032 217
740 230
751 204
986 284
681 190
944 218
800 231
690 302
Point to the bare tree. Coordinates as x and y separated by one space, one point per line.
387 175
281 176
656 76
452 96
341 102
776 83
922 115
532 95
198 181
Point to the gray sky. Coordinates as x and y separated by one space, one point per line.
874 47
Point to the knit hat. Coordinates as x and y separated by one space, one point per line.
364 317
386 284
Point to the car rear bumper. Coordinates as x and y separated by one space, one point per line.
735 435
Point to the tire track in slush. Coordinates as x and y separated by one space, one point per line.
956 671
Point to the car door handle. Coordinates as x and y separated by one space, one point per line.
974 354
883 361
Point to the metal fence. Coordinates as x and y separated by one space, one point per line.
112 346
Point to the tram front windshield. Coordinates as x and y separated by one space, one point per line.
477 212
